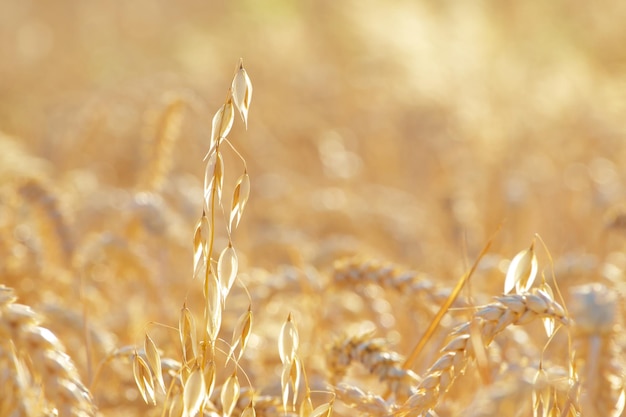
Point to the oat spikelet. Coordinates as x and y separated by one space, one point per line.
377 358
288 342
522 271
508 310
40 378
242 92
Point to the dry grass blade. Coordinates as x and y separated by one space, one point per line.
444 309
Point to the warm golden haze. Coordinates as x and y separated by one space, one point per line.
399 209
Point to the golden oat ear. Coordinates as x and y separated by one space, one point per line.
249 411
221 124
200 246
187 332
194 393
306 406
230 394
324 410
143 379
227 267
288 342
213 180
522 271
213 307
241 334
242 92
240 199
210 376
154 360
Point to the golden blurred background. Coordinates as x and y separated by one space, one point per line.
405 131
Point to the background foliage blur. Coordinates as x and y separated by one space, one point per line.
405 130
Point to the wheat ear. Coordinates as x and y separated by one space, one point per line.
168 131
54 231
375 356
363 402
355 272
44 380
491 319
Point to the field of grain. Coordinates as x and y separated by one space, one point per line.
312 208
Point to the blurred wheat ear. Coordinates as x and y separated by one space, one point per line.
39 378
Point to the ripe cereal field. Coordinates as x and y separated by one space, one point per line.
312 208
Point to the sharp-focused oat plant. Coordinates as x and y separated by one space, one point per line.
190 391
195 385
